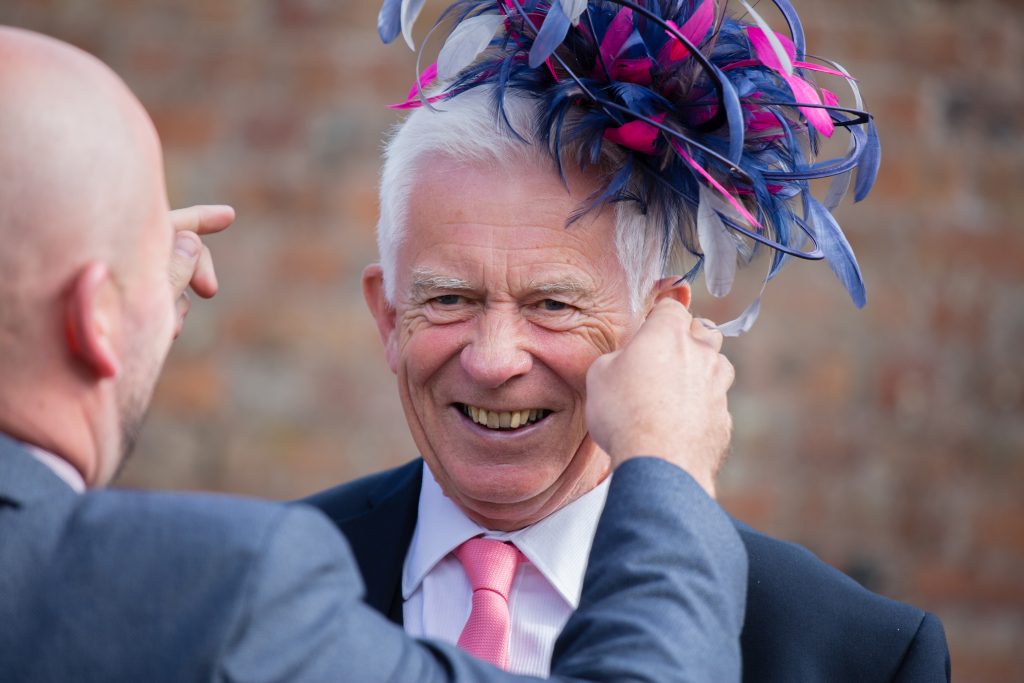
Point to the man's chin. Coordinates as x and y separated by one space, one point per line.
503 496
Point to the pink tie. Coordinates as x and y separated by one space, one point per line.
490 566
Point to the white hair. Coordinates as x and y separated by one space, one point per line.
469 128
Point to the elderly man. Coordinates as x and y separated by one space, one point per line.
522 235
101 586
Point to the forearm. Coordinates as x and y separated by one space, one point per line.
665 591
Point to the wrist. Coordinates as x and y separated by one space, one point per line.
685 459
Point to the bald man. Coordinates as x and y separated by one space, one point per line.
100 585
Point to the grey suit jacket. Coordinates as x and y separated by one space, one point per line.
146 587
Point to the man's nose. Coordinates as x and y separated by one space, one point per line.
497 352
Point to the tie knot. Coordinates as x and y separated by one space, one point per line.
489 564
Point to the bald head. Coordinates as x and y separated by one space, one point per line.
86 308
81 170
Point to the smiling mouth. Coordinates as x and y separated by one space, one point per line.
503 420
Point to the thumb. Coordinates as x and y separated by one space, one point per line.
184 258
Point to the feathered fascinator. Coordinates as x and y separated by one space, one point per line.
717 118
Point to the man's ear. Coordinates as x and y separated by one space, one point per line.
92 320
673 288
382 311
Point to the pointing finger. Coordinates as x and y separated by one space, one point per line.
203 219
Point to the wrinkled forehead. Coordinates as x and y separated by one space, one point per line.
477 227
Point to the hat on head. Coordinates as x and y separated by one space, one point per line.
707 118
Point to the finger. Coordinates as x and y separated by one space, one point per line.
184 257
204 279
203 219
667 313
726 372
668 306
182 306
707 332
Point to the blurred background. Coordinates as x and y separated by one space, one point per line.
890 441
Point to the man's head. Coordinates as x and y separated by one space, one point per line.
492 309
86 307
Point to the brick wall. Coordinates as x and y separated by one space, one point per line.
889 441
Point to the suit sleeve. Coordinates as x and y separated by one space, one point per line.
665 591
927 658
302 617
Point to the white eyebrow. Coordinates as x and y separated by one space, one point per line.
426 281
568 286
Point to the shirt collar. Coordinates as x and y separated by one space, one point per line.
59 466
558 545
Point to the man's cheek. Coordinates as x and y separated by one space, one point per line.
572 355
424 352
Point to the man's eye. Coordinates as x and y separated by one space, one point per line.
447 299
553 305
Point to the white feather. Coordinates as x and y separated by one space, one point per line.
837 190
773 40
574 9
744 322
718 245
851 81
840 184
410 12
465 43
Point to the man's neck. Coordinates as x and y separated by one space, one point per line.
33 421
498 519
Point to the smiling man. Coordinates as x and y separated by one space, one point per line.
491 312
530 221
498 312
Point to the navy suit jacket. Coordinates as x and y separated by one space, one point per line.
805 621
115 586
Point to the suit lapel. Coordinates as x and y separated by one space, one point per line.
380 536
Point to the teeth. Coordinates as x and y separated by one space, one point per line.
503 420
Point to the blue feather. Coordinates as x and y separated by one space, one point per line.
734 115
796 28
744 322
705 102
870 160
389 21
838 251
552 33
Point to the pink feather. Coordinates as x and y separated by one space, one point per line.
694 30
817 117
632 70
636 135
802 90
829 98
822 69
617 34
766 53
699 23
412 100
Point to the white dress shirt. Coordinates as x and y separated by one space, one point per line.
545 592
59 466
